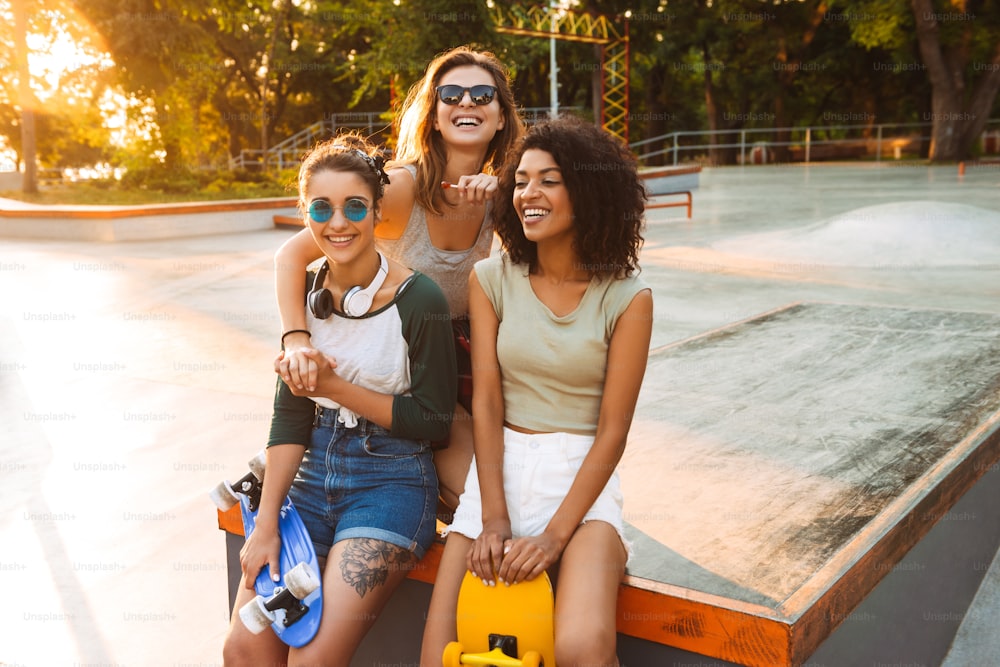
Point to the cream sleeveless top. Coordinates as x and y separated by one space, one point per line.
552 368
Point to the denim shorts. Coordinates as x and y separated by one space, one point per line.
361 482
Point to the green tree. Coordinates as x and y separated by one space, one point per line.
25 97
149 40
955 40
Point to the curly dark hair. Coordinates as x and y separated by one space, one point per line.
608 197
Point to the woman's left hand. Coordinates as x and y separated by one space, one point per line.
527 557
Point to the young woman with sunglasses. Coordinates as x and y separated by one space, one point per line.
354 456
456 127
560 337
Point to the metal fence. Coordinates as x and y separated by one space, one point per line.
799 144
287 153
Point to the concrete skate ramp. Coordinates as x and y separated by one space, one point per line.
779 467
915 234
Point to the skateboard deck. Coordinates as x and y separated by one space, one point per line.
292 606
505 626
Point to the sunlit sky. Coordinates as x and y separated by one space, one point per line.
48 61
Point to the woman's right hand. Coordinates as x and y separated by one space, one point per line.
296 363
477 188
262 549
487 550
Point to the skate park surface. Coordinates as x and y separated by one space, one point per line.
822 387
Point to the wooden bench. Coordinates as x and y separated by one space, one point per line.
671 182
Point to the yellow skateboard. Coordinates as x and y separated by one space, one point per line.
503 626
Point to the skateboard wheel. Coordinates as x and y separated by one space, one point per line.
255 616
452 656
223 496
301 580
257 465
532 659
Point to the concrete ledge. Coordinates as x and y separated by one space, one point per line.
142 223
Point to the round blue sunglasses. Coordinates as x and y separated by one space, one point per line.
321 210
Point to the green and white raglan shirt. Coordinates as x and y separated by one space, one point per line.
405 349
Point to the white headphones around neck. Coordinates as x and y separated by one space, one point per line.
357 301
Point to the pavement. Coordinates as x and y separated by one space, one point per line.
134 376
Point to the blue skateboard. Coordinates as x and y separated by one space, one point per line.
292 606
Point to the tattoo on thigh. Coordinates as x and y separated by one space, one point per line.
367 562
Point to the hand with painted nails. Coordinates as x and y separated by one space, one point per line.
487 551
527 557
262 549
474 189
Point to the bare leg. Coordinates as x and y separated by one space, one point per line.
453 461
359 578
440 628
591 568
243 647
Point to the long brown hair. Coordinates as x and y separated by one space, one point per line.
419 144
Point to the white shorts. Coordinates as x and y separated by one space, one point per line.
538 470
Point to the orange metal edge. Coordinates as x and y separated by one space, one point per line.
111 212
709 625
231 521
659 172
831 596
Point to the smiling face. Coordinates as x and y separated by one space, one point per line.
465 123
541 199
341 239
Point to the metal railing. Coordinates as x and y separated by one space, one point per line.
287 153
801 144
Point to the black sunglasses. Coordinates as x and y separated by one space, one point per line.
355 210
453 94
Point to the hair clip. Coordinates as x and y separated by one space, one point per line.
376 163
379 163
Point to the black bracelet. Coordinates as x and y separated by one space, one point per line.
306 332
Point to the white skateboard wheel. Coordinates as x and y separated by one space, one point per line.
257 465
301 580
255 616
223 496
